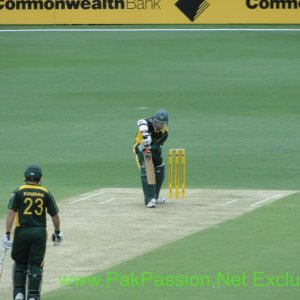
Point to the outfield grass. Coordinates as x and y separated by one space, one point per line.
70 102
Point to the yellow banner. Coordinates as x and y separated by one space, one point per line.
149 11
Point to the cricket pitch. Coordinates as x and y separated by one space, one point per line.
109 226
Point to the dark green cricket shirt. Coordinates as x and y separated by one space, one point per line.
31 202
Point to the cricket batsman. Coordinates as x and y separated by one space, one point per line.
28 206
151 135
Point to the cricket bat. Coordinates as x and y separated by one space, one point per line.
2 262
149 167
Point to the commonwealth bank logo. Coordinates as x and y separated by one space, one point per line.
192 8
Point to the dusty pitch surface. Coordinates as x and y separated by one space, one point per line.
109 226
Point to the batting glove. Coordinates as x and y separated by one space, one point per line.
6 242
147 141
143 148
57 238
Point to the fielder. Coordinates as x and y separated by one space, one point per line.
28 206
151 135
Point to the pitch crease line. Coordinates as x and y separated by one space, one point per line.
109 200
87 197
112 191
267 199
229 202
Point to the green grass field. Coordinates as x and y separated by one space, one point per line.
70 102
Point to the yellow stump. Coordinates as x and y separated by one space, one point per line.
170 174
183 173
179 172
176 173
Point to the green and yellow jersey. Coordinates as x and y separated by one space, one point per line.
158 139
31 202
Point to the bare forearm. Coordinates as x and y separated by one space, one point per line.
10 220
56 222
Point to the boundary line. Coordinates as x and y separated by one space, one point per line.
157 30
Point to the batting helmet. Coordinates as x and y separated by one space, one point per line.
161 119
33 173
